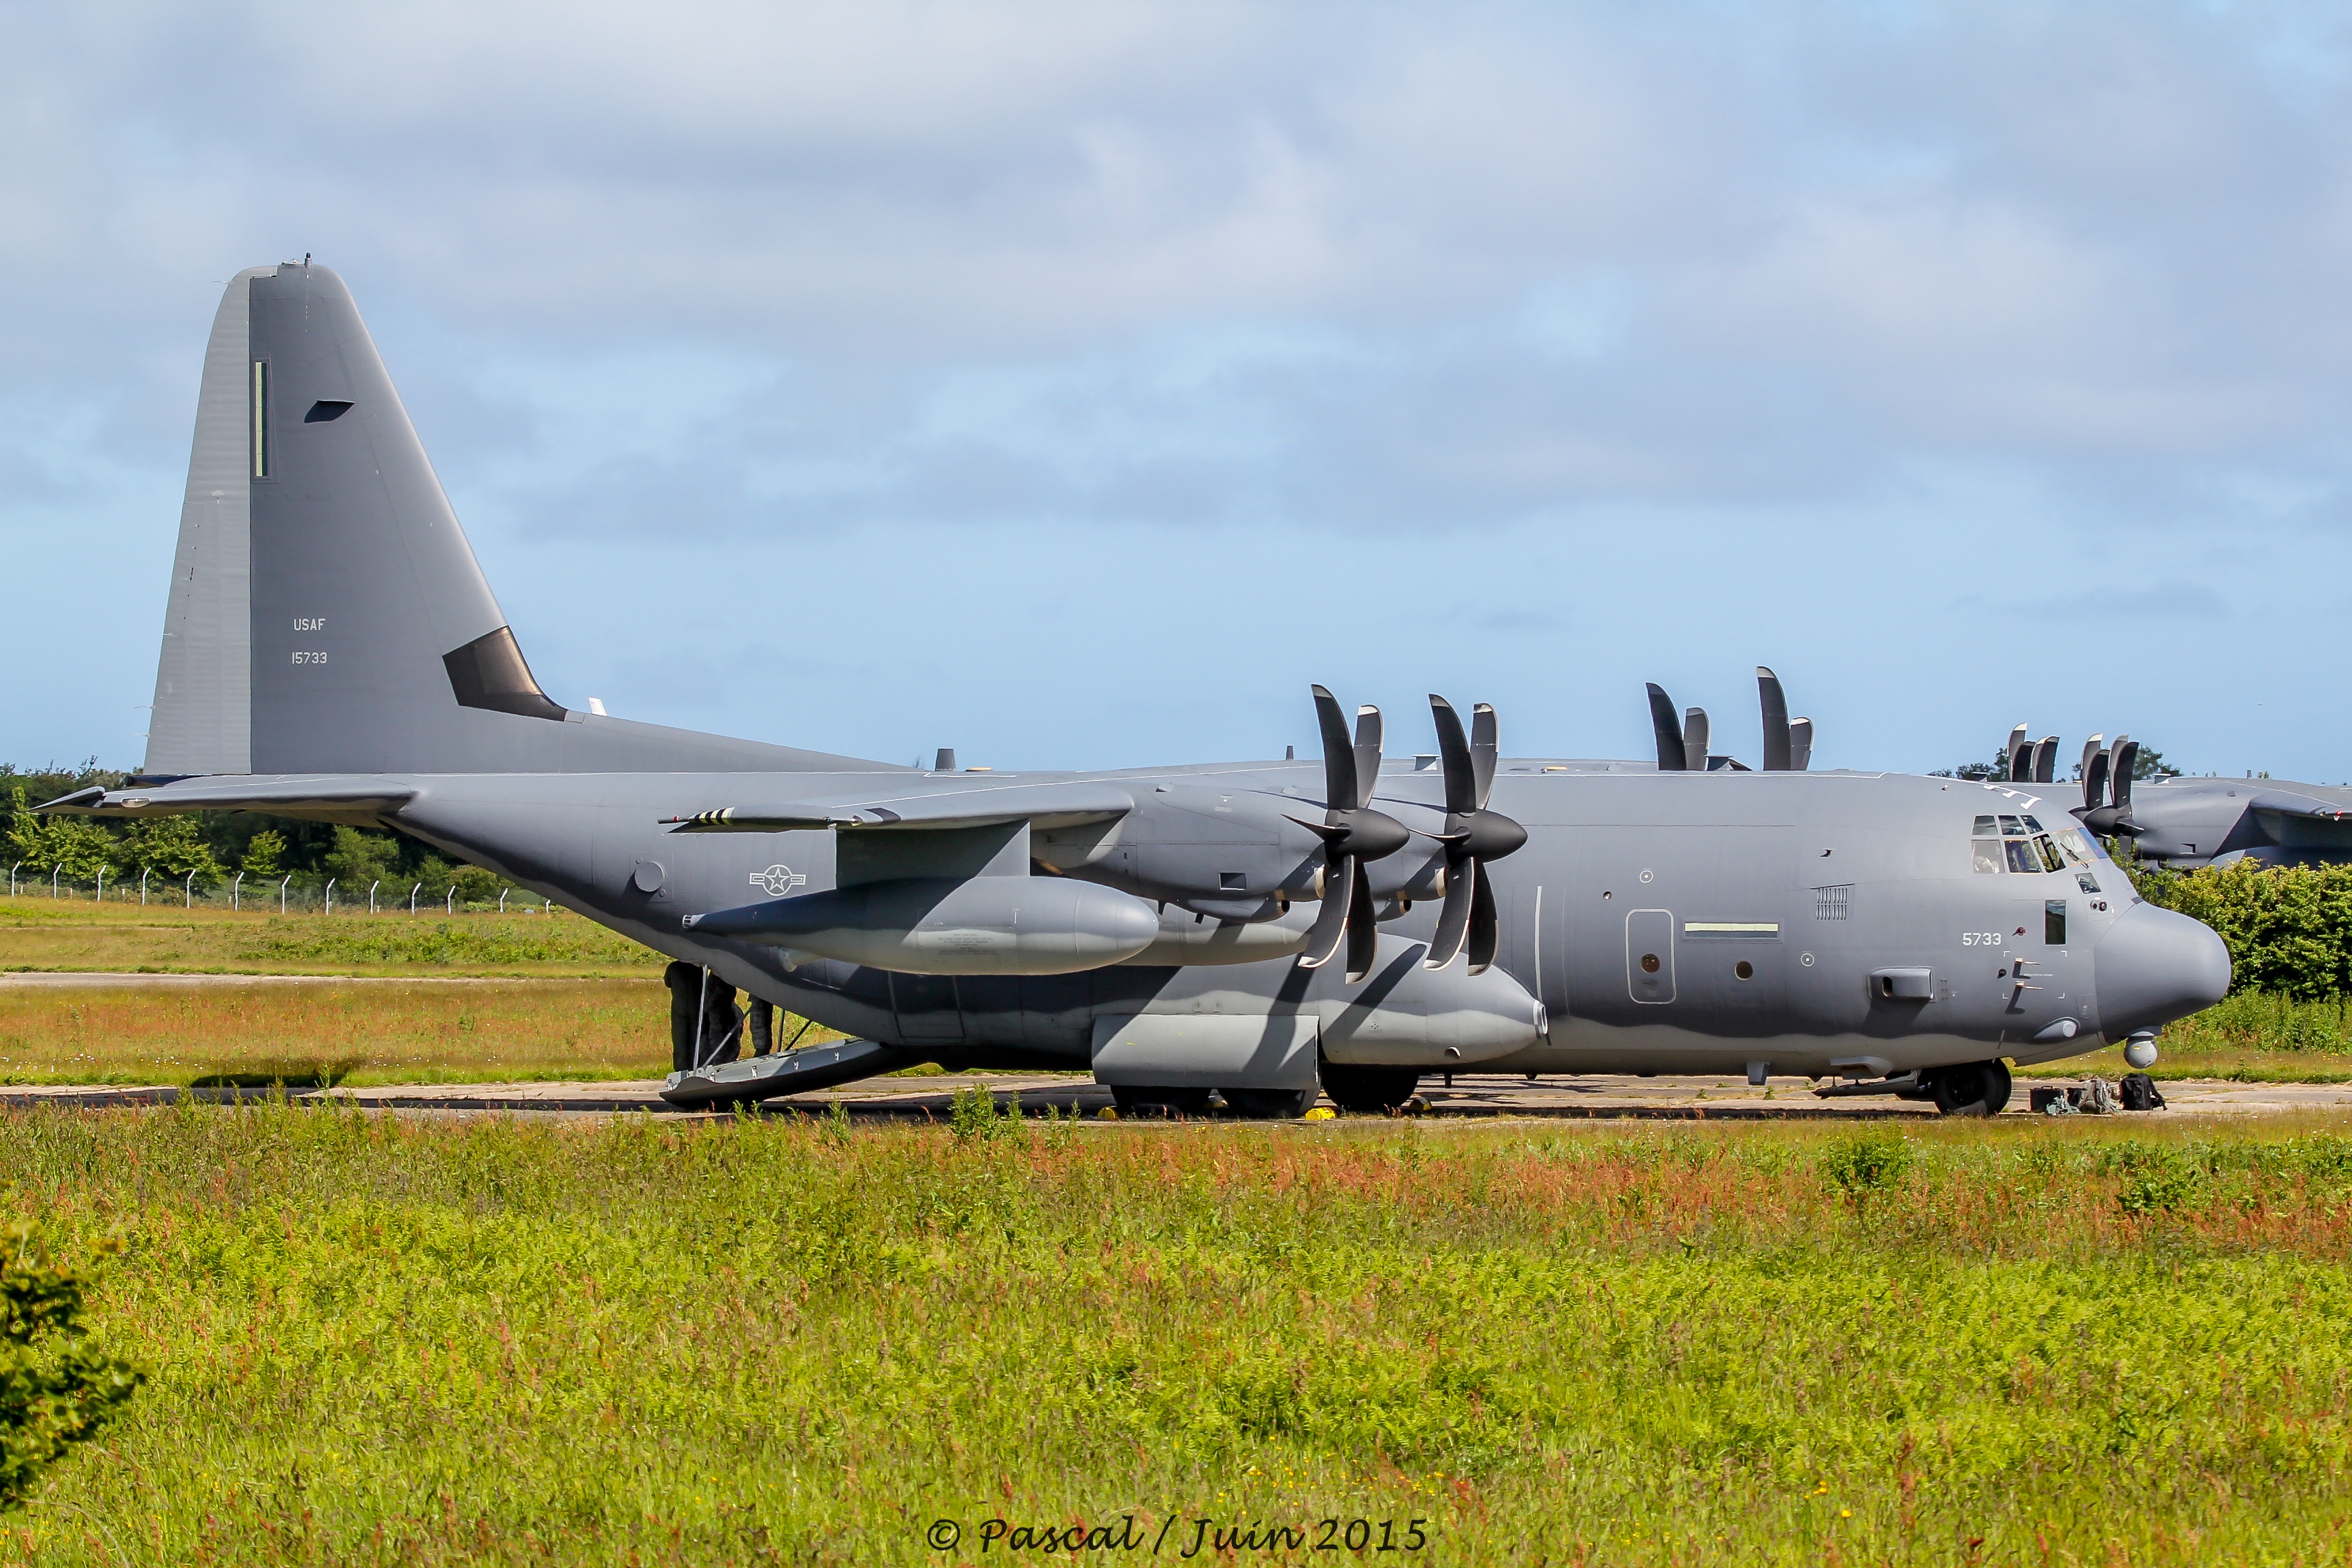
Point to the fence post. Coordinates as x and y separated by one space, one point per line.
99 897
331 896
143 886
281 892
60 866
188 892
11 879
412 901
371 887
502 899
449 905
236 894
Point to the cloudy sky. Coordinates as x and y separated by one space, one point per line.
1074 384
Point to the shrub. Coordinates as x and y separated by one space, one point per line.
1872 1161
972 1115
57 1389
2288 928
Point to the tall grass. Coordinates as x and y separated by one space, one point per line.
383 1340
359 1033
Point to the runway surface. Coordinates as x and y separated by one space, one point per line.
1471 1097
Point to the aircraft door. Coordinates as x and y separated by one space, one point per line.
1650 955
2049 979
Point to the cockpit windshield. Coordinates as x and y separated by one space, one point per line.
2020 844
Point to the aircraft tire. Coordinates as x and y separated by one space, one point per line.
1143 1102
1369 1091
1268 1104
1972 1089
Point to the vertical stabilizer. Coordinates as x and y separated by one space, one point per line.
202 723
327 615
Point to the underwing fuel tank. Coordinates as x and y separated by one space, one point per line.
933 925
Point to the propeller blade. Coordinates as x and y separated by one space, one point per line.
1486 933
1800 744
1774 704
1462 796
1363 930
2094 779
1669 733
1339 882
1485 746
2090 749
1454 917
2016 743
1695 740
2045 760
1339 767
1367 755
2119 775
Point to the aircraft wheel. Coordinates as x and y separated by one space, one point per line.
1972 1089
1268 1104
1369 1091
1144 1101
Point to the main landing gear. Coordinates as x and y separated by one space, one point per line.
1372 1091
1968 1089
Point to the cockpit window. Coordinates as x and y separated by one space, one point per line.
2010 828
1988 853
2021 857
1986 828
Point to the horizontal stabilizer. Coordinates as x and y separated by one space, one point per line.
337 796
1041 805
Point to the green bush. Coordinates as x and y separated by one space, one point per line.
57 1388
1872 1161
2288 928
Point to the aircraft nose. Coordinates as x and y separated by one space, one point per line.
2153 966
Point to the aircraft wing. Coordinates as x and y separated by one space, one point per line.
1056 803
2286 804
339 795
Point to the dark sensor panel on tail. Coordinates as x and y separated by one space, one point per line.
490 672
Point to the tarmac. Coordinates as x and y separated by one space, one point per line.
1466 1097
1470 1097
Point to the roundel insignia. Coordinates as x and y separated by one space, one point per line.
777 880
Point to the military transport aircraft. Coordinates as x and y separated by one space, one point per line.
332 652
2184 823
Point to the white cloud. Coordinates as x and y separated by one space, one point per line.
1804 289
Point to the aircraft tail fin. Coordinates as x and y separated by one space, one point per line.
327 613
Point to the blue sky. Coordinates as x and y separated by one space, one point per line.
1074 384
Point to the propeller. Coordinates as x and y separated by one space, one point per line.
1351 832
1695 740
2045 760
2108 775
1472 836
1673 751
1774 704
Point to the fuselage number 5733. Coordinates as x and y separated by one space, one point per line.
1980 939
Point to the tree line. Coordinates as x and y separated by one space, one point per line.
212 845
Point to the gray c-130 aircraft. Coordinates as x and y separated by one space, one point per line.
331 651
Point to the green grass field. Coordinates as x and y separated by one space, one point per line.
375 1033
383 1340
37 933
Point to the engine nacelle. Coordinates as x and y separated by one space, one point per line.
931 925
1405 1015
